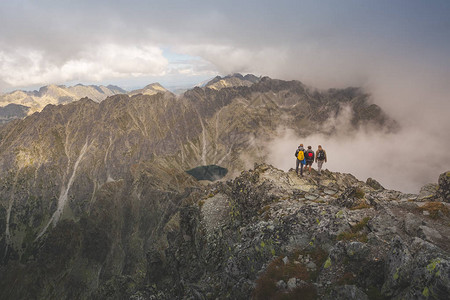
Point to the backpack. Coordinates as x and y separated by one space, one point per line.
321 155
300 156
310 155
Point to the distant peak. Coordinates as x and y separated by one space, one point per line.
50 87
150 89
154 85
232 80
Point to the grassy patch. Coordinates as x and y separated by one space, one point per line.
361 224
434 208
360 205
359 193
354 234
266 285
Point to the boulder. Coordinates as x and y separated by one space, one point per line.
412 224
428 192
443 190
374 184
347 198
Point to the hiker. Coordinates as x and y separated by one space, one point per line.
309 157
300 159
321 156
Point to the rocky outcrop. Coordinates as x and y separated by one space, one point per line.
444 187
270 234
374 184
436 191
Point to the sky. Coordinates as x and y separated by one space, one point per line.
398 51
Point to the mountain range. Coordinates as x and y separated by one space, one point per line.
106 198
58 94
34 101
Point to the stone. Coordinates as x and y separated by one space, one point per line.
428 192
311 266
412 223
398 267
330 192
292 284
444 187
285 260
215 212
311 197
281 285
347 198
429 234
374 184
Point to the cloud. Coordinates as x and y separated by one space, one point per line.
94 63
227 59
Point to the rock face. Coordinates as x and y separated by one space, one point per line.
13 111
271 240
444 187
95 201
436 191
374 184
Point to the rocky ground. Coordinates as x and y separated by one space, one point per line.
270 234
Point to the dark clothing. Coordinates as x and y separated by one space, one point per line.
318 155
320 159
298 162
298 150
309 156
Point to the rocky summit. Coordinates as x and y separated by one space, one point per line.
270 234
120 199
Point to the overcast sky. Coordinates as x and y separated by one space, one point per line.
323 43
399 51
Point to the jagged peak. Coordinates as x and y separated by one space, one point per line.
232 80
50 87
